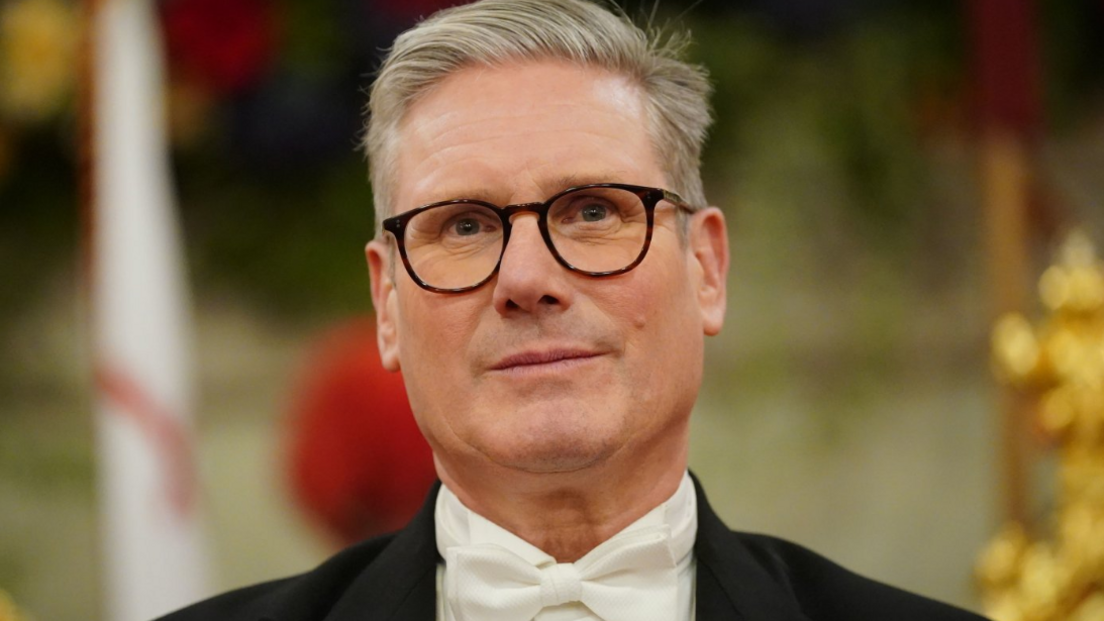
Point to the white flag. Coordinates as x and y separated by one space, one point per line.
154 559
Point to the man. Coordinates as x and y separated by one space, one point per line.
545 275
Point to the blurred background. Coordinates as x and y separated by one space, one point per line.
848 405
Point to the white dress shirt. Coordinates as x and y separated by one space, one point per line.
459 526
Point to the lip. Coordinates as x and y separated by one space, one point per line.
536 359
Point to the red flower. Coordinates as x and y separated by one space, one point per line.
357 460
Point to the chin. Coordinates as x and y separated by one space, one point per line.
552 448
552 462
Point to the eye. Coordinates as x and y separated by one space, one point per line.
467 226
593 212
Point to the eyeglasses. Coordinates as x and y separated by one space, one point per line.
602 229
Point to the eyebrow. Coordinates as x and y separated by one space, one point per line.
563 182
549 187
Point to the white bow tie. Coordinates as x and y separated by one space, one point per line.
630 577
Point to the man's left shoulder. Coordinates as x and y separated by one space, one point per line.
309 595
826 590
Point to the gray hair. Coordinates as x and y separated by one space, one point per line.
492 32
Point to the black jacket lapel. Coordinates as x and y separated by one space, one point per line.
401 584
731 584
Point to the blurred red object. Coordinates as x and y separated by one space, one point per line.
358 463
226 46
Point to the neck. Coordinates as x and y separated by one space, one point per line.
567 514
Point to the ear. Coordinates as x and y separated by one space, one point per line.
708 241
385 301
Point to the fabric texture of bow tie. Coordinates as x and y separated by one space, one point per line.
630 577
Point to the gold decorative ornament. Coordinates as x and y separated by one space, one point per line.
1061 363
37 57
8 611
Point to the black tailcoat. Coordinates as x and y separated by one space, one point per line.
740 576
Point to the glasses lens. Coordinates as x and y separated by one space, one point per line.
598 229
454 246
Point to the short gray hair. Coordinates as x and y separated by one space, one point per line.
489 32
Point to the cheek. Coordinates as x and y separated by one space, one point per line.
646 298
660 311
661 295
634 310
434 329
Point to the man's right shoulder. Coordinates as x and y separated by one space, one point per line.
307 595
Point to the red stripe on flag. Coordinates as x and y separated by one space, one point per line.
163 429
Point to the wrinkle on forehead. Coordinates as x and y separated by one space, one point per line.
476 109
550 187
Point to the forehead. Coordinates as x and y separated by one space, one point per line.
520 132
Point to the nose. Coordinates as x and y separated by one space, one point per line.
529 278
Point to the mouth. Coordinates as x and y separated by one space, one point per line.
533 360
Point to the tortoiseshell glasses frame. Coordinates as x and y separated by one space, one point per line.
649 197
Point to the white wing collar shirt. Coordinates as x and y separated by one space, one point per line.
646 571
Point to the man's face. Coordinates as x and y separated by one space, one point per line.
541 369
